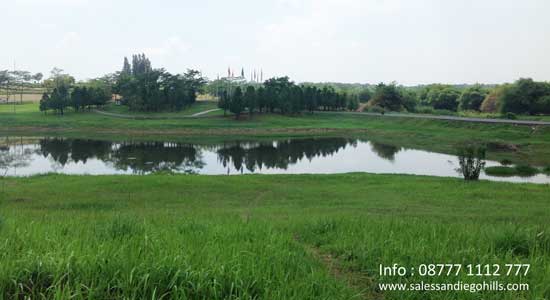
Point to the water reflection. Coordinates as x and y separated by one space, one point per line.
312 155
385 151
278 155
150 157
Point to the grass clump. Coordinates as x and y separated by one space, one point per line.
501 171
505 171
526 170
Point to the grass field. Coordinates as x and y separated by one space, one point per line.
228 237
521 144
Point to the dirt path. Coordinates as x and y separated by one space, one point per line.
138 117
357 281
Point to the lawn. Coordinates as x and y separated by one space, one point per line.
221 237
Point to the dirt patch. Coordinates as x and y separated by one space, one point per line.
499 146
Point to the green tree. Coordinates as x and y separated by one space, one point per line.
45 103
353 103
522 96
446 98
250 99
59 99
237 103
388 97
472 98
365 95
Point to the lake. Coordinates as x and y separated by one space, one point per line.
25 156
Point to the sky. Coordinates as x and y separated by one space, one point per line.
354 41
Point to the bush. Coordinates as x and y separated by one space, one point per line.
471 160
546 170
525 170
510 116
501 171
521 170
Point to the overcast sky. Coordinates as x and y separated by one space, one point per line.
367 41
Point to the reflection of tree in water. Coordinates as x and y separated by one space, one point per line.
278 155
157 156
385 151
75 150
139 157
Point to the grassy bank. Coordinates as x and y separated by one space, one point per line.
219 237
520 144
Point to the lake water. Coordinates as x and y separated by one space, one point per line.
23 157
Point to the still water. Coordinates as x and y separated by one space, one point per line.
23 157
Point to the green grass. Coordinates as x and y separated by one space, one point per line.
221 237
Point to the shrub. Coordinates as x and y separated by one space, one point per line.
546 170
500 171
526 170
521 170
510 116
471 160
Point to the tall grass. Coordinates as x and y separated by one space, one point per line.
246 237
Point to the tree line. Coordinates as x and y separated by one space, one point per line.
525 96
15 82
280 95
62 92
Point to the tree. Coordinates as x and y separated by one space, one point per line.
5 78
472 98
45 103
353 103
224 102
542 105
409 99
59 99
126 68
57 79
37 77
79 98
388 97
445 99
237 103
365 95
522 96
250 99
